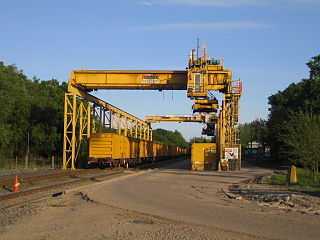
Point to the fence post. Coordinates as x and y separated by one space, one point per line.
293 174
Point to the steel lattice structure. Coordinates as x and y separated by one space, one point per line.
85 114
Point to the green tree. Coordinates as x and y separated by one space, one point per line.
297 97
301 140
200 140
314 66
14 108
169 137
254 131
31 114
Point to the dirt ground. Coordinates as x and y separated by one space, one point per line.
73 217
166 203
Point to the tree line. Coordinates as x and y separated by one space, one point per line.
174 138
292 129
31 114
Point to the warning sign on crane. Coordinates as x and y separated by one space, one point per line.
231 153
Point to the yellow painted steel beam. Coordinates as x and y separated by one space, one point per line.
206 101
112 79
171 118
214 106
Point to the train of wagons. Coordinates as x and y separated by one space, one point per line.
112 150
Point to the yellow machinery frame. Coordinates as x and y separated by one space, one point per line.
228 133
85 113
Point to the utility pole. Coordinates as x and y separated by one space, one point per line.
26 159
251 139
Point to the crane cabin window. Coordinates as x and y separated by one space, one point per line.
197 82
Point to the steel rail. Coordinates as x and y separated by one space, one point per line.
42 176
58 185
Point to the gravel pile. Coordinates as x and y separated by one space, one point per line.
267 195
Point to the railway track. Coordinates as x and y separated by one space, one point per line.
158 164
22 198
27 178
58 185
57 188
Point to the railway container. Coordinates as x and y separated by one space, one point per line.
158 150
204 156
104 148
113 149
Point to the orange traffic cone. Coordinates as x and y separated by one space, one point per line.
16 185
219 167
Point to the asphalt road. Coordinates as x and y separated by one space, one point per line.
176 193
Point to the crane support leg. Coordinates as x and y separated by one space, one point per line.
77 122
85 114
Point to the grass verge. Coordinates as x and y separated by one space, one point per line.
305 181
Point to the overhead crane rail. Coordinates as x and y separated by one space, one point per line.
175 118
197 118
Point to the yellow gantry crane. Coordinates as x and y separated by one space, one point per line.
85 114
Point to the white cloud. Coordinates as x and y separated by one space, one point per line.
227 3
198 26
146 3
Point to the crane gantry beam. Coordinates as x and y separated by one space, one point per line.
145 80
197 80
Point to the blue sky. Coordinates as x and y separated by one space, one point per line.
265 42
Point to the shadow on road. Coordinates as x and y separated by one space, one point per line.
183 168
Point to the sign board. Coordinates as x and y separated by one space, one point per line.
209 149
150 78
231 153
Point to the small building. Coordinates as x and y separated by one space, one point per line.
256 149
